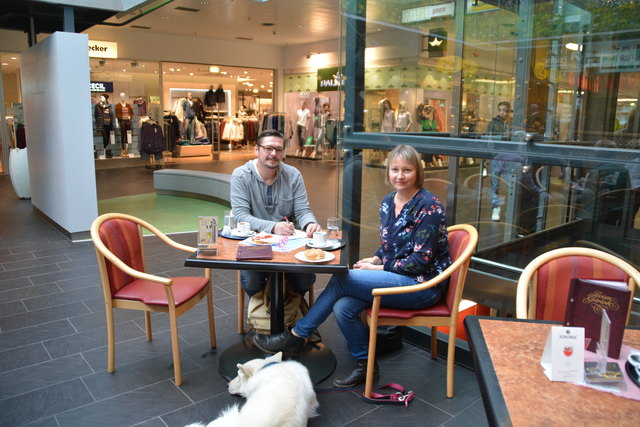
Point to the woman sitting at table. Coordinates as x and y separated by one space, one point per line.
414 248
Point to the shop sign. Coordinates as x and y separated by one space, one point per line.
100 49
425 13
476 6
329 79
106 87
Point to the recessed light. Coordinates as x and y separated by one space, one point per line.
13 57
5 63
191 74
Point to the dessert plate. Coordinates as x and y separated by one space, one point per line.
327 257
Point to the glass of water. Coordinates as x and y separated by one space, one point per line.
229 221
332 227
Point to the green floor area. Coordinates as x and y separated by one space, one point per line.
169 213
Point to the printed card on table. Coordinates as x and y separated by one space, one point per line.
563 356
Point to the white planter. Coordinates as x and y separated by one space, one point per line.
19 172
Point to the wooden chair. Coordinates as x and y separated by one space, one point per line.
120 250
463 239
543 286
241 292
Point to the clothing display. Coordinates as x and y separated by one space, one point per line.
142 106
151 140
220 95
277 121
403 121
232 129
103 114
388 121
210 98
124 114
302 121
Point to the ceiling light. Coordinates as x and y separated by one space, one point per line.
191 74
246 72
172 69
255 91
13 57
214 69
269 90
260 1
573 46
5 63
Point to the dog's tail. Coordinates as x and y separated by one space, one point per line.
228 417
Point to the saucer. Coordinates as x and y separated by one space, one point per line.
330 245
235 235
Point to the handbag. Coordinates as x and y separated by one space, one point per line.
259 310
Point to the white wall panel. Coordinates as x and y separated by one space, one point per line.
57 110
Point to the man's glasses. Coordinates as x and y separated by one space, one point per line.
269 149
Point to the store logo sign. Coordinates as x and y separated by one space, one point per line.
106 87
425 13
99 49
329 79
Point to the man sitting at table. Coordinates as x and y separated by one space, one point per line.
270 195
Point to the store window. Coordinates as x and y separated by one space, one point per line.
525 114
12 120
213 104
124 94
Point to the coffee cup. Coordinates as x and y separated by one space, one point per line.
319 239
244 228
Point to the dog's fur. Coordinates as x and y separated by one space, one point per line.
280 395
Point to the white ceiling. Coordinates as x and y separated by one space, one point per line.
292 21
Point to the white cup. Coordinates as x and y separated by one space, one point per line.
319 238
244 228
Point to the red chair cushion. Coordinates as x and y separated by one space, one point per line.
439 309
152 293
555 277
122 237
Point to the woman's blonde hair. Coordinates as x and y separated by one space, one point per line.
408 154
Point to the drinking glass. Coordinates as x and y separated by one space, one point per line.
229 221
332 227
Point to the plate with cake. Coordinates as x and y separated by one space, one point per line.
314 255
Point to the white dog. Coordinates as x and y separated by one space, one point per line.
279 394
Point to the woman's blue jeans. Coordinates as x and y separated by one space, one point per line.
347 295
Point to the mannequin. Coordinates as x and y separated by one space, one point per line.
189 115
104 122
403 121
124 114
387 116
151 142
302 123
321 136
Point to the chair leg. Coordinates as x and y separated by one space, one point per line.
212 326
312 296
175 346
111 342
434 342
147 325
371 358
240 306
451 358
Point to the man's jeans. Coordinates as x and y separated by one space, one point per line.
347 295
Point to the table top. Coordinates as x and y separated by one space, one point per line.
281 262
515 390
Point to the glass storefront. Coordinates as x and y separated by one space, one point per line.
525 113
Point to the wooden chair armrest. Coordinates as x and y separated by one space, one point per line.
166 281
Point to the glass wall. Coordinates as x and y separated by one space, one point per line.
525 113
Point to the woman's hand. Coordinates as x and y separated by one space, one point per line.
372 263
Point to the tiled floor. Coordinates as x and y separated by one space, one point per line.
53 344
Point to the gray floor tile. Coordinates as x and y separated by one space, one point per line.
31 262
10 308
473 416
34 334
98 319
29 291
131 376
22 409
63 275
44 315
42 375
63 298
89 340
202 412
129 408
8 258
22 356
28 272
80 282
14 283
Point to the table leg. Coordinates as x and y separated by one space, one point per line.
277 302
